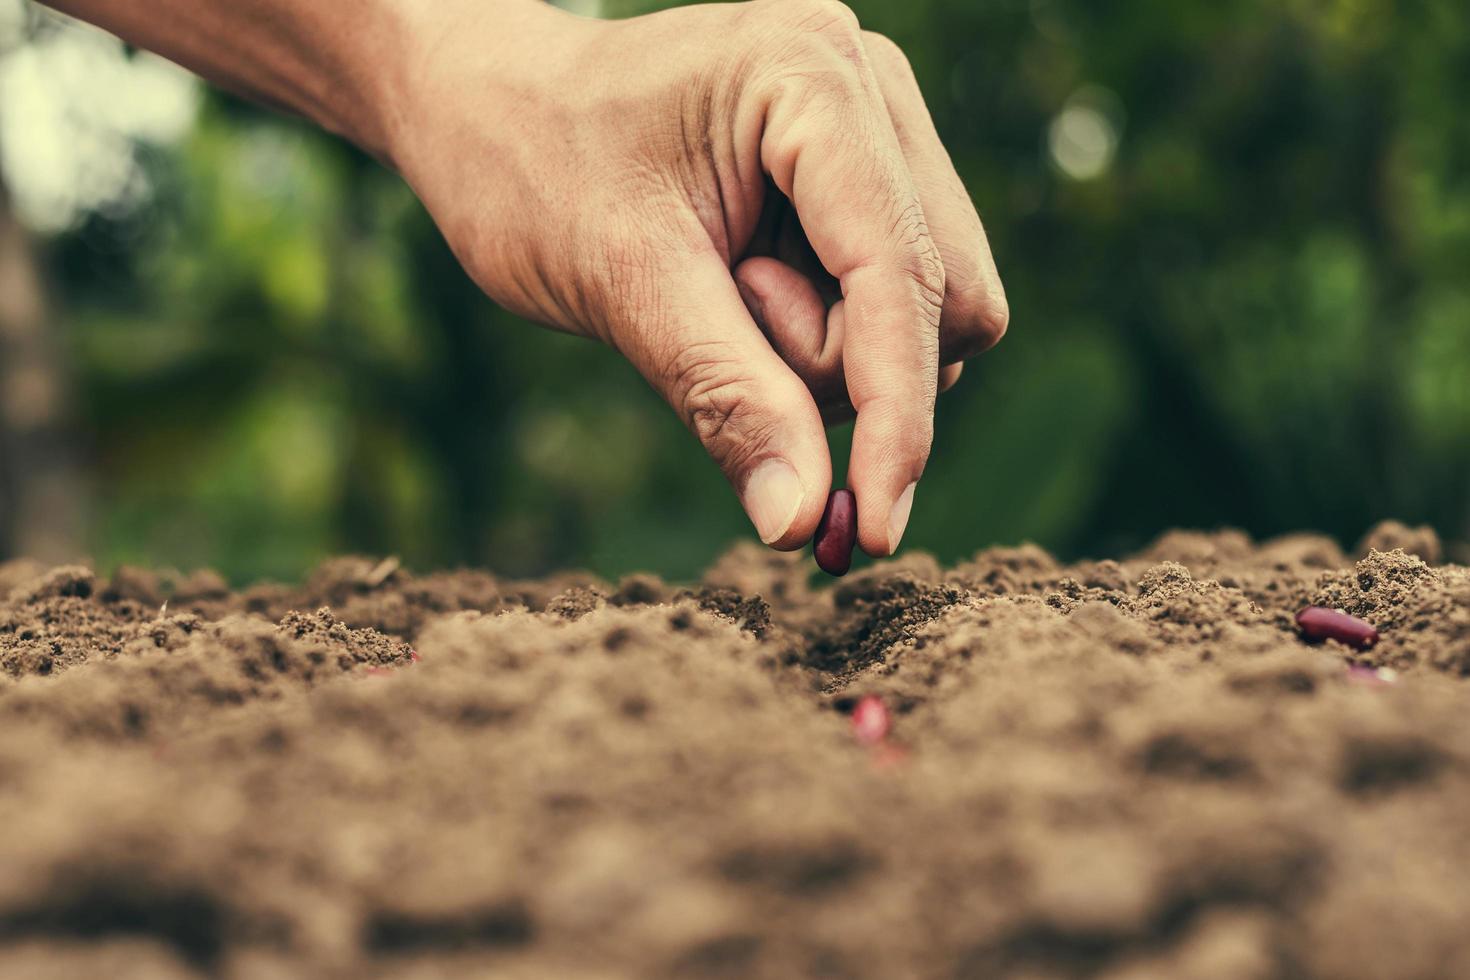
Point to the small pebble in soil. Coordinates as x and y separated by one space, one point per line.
1317 623
870 721
837 533
1371 676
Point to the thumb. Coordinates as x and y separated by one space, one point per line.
702 351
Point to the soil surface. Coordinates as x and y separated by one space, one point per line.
1124 769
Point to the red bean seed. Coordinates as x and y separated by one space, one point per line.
870 721
1317 623
837 533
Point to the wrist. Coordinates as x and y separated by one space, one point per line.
501 55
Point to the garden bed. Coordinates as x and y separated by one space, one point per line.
1125 769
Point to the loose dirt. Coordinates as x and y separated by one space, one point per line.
1124 769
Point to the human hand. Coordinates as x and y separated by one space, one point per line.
749 201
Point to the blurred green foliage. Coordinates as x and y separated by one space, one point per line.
1256 314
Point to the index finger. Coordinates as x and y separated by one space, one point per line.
829 146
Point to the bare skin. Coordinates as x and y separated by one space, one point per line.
749 201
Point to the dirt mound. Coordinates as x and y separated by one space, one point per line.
1120 769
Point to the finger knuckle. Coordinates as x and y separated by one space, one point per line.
922 263
720 404
825 17
929 279
826 31
829 84
826 108
992 318
928 291
885 51
976 306
815 51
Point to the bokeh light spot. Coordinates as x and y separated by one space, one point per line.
1083 137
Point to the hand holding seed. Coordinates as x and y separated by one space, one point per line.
747 200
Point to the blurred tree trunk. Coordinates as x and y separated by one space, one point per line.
41 487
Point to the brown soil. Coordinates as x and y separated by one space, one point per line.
1124 769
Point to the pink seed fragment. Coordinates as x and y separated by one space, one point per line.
1317 623
413 656
870 722
837 533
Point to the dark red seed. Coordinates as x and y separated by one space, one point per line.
1317 623
837 533
870 722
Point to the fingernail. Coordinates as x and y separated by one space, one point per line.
772 496
898 517
753 304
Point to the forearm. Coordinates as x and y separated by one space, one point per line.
347 65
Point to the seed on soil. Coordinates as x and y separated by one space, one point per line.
870 721
837 533
1317 623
